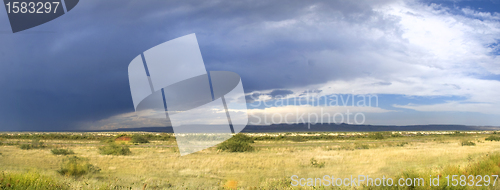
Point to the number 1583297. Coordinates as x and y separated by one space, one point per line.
32 7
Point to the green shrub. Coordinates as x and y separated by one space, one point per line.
242 138
25 146
29 180
235 146
114 149
468 143
56 151
316 164
76 167
237 143
376 136
136 138
493 138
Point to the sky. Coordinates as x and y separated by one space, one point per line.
422 62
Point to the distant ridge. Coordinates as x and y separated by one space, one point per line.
304 127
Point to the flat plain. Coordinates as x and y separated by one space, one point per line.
275 158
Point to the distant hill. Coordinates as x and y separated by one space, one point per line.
305 127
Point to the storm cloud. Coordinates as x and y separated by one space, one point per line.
71 73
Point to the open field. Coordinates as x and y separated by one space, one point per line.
275 159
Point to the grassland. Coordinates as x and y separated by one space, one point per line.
275 158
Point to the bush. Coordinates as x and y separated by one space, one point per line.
76 167
25 146
29 180
493 138
316 164
242 138
114 149
136 138
235 146
237 143
376 136
468 143
56 151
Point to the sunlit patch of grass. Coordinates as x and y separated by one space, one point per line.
30 180
159 165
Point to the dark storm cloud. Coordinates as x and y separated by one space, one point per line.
74 69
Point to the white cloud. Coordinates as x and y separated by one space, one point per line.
427 52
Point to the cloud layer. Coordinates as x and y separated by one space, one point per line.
71 73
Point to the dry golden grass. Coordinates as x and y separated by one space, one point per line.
159 165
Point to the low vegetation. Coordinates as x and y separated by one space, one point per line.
35 144
316 164
30 180
273 159
376 136
297 138
361 146
136 138
468 143
57 151
82 136
493 138
76 166
237 143
486 166
115 149
402 144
